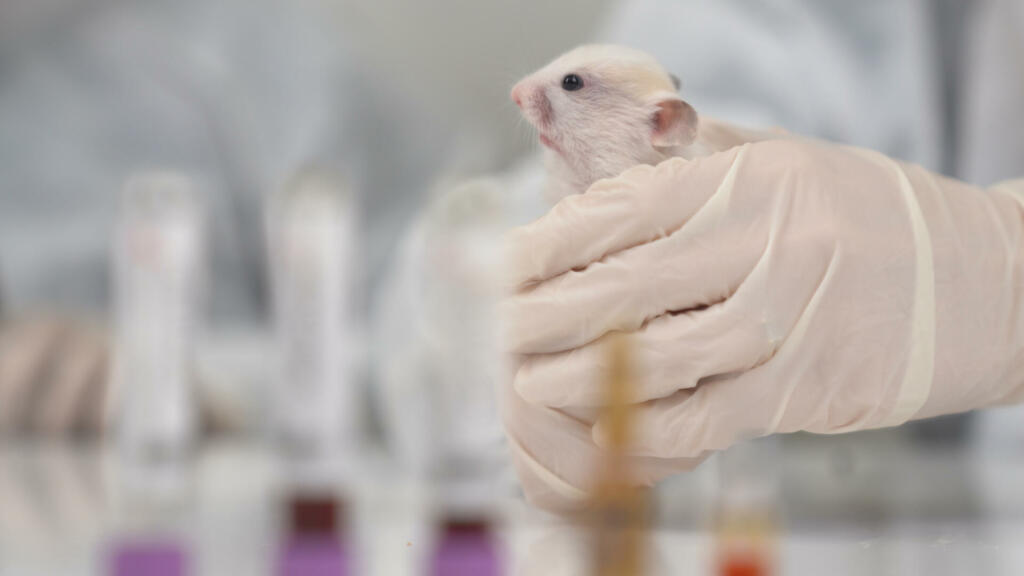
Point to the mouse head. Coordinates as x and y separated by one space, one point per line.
601 109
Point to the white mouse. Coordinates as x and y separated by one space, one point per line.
600 109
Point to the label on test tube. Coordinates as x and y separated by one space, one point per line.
157 280
311 233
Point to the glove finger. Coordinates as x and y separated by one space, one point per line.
566 486
555 456
696 266
641 205
713 416
672 352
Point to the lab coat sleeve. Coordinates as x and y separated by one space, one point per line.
992 92
863 73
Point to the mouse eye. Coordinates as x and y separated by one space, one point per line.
572 82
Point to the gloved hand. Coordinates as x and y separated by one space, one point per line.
554 453
53 375
774 287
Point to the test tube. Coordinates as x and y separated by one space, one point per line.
311 232
153 514
469 456
746 515
315 542
157 261
436 340
620 507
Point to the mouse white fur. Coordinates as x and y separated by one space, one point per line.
600 109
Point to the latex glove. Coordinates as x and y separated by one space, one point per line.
778 286
53 373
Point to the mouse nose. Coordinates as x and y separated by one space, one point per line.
517 94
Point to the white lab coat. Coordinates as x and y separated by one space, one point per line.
861 72
935 82
992 104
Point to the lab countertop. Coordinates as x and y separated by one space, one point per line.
872 503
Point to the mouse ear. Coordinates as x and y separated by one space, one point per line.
674 122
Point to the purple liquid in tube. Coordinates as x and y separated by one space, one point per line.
315 545
466 549
148 559
314 556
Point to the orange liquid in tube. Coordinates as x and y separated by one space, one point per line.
746 516
746 548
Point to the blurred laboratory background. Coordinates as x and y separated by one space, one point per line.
248 252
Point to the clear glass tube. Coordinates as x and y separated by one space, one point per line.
158 253
311 233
